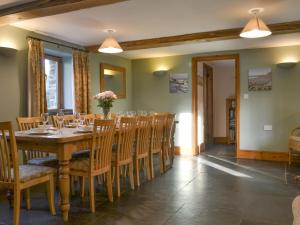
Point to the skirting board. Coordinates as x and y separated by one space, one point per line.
183 151
220 140
263 155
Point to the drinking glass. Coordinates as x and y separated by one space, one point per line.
76 118
45 118
82 118
60 120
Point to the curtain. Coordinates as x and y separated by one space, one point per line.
82 82
37 99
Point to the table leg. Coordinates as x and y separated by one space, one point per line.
64 185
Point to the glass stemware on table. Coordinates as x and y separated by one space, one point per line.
60 120
77 118
45 119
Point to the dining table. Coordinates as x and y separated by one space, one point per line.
63 143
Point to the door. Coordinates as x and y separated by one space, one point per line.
208 103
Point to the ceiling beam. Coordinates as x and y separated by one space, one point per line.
41 8
218 35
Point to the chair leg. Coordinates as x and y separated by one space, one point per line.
92 194
151 165
82 186
137 170
50 193
109 186
28 205
290 158
161 162
147 164
131 175
118 181
17 201
72 187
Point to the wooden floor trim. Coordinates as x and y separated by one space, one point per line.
263 155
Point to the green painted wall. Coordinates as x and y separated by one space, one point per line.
278 107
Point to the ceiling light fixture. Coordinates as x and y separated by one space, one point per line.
110 44
255 28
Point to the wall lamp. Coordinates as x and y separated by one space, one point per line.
7 51
286 65
160 73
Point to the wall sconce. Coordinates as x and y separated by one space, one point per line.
7 51
160 73
286 65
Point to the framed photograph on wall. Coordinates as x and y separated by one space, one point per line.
178 83
260 79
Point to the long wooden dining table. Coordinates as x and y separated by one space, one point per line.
62 144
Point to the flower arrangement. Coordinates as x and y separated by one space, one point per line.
105 99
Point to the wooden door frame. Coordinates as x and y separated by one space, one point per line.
206 106
195 60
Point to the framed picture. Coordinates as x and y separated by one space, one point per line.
260 79
178 83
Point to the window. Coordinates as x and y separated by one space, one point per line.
54 81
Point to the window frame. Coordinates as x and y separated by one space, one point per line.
60 84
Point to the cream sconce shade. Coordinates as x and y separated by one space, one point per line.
110 44
160 73
7 51
255 28
286 65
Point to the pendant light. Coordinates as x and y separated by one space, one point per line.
255 28
110 44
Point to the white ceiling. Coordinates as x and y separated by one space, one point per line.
140 19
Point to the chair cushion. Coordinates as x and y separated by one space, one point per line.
81 154
80 164
29 172
50 161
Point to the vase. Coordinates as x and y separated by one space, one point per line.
105 111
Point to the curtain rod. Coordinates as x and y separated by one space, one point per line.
51 42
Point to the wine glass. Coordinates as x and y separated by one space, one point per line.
60 120
77 118
45 118
82 118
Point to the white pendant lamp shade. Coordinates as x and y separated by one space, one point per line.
255 28
110 45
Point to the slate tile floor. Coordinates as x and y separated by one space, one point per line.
213 189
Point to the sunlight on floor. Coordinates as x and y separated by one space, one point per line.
224 169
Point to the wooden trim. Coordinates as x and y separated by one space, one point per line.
103 67
42 8
217 35
182 151
263 155
220 140
196 59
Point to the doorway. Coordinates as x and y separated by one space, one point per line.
205 128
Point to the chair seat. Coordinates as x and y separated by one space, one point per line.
80 165
50 161
29 172
81 154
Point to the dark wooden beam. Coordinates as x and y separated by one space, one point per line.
218 35
41 8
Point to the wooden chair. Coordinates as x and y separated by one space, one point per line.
22 177
294 144
89 118
142 146
168 147
35 157
99 162
67 120
124 150
157 139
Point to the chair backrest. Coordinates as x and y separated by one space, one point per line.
89 118
8 155
157 136
126 138
143 135
27 123
169 129
67 120
103 135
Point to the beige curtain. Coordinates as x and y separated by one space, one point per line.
37 102
82 82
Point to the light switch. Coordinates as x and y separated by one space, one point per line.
268 127
246 96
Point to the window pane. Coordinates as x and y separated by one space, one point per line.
51 70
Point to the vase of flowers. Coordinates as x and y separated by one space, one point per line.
105 100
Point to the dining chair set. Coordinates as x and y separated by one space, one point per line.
118 148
